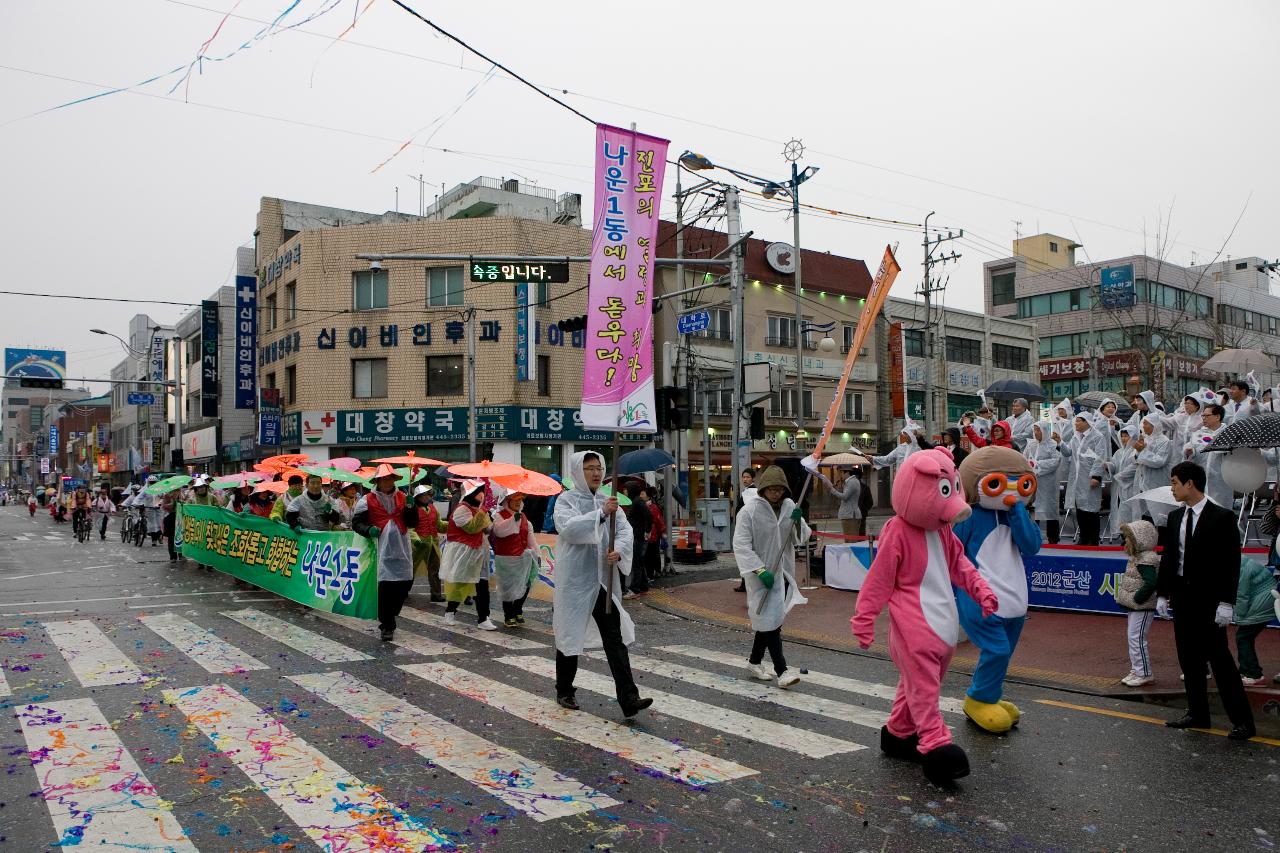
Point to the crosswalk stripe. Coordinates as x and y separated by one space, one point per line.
521 783
669 759
759 692
493 638
337 810
204 647
725 720
4 685
91 656
820 679
97 796
296 637
407 640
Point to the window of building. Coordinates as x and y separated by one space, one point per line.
271 381
782 404
1011 357
1053 247
1002 289
544 292
444 375
913 342
370 290
782 331
848 338
964 350
720 328
369 377
271 312
1060 302
544 376
444 287
853 406
290 384
290 302
1242 265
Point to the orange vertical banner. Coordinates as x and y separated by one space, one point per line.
897 372
880 287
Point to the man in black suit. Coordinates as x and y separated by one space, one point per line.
1199 571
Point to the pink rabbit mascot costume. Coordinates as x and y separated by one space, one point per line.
918 560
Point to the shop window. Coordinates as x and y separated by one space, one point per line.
544 376
370 290
543 458
368 378
444 287
444 375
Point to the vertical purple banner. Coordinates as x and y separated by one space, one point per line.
617 381
246 341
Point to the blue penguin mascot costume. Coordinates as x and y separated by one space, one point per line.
998 483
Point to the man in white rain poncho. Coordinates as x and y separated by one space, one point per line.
1045 456
1197 450
586 577
384 516
1085 453
1020 424
1144 403
906 446
514 554
1155 453
768 528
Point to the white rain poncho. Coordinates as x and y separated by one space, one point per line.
581 571
1156 460
758 537
899 454
395 554
313 513
1020 429
1196 449
1185 425
1246 408
1149 397
1085 452
513 571
460 562
1045 458
1123 471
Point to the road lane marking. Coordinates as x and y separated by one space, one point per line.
202 646
493 638
36 575
4 685
520 782
819 679
92 657
96 794
759 691
407 640
672 760
114 598
295 637
335 809
38 612
154 606
725 720
1123 715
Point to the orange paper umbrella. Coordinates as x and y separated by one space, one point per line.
529 483
367 471
486 469
275 487
409 458
276 464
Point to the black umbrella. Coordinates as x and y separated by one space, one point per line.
1007 390
645 459
1258 431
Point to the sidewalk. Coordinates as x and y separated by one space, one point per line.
1082 652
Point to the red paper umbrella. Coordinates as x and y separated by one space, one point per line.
275 487
409 458
529 483
486 469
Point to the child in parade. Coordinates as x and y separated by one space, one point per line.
1136 593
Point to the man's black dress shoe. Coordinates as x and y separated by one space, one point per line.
1241 733
1188 722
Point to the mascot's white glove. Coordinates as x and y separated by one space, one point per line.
1222 618
1162 607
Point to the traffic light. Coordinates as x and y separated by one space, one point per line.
573 324
39 382
673 408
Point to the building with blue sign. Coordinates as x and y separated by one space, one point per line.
371 360
1132 323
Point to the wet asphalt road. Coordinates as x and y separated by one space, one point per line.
1066 779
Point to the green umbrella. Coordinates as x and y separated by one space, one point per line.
404 474
333 474
168 484
605 490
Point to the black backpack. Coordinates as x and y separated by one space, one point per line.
865 499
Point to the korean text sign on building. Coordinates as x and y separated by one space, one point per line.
209 359
246 341
617 382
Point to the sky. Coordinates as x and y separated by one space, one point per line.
1122 126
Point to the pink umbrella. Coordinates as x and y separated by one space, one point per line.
239 481
346 463
486 469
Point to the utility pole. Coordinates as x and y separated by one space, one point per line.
929 338
471 380
740 450
682 446
795 248
178 367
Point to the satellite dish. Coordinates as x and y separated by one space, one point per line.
1244 469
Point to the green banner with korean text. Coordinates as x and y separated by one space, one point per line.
336 572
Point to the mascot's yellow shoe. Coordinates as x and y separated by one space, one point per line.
1010 709
989 716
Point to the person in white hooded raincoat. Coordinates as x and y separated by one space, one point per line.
1155 453
906 446
1123 470
1045 456
586 577
768 528
1144 403
1196 449
1085 453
